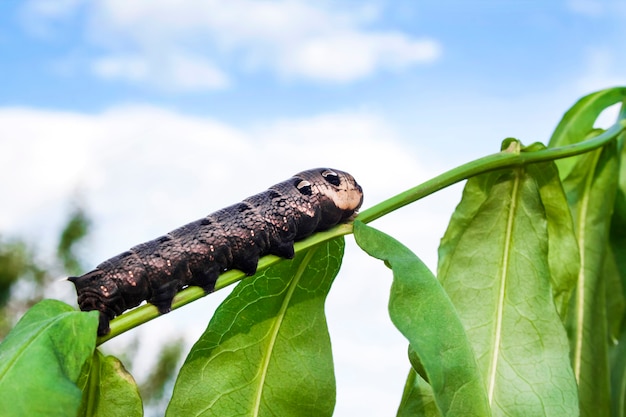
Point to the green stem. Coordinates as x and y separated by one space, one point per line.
500 160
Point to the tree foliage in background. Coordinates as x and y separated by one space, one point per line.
524 317
72 235
17 263
26 275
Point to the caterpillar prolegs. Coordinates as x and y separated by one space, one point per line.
232 238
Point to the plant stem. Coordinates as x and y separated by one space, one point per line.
485 164
500 160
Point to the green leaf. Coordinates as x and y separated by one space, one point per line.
591 189
616 299
617 350
563 254
108 389
424 314
418 398
618 378
578 122
41 360
494 263
266 351
617 243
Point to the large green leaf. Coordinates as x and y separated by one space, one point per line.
41 360
616 299
495 265
579 121
266 351
108 389
424 314
591 189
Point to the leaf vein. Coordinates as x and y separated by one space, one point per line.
497 340
276 329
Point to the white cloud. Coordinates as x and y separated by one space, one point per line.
42 160
171 72
297 39
353 55
52 152
144 171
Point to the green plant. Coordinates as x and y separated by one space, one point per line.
525 317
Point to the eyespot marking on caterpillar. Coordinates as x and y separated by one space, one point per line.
304 187
331 177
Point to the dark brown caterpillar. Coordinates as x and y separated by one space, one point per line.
234 237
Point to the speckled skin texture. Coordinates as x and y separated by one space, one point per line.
231 238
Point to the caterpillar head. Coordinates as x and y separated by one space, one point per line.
337 191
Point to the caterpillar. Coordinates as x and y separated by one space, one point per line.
234 237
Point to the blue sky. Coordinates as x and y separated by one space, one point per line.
405 61
56 55
154 113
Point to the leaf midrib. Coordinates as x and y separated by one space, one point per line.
275 330
581 290
493 366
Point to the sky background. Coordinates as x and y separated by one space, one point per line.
153 113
